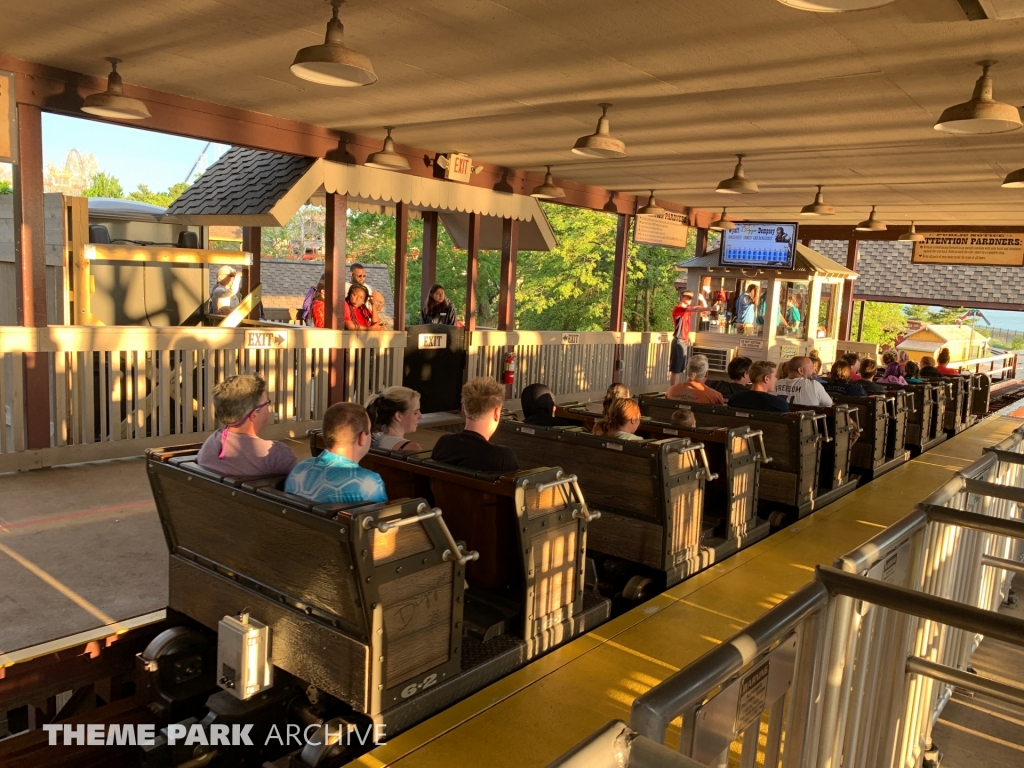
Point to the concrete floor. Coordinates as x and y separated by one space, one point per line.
978 730
81 547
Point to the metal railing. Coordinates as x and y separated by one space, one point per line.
853 669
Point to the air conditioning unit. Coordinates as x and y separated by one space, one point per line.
718 359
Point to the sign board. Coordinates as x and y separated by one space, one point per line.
266 339
786 351
751 344
990 249
663 338
668 230
759 244
753 696
459 168
433 341
8 119
570 338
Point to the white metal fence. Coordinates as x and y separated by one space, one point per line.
853 669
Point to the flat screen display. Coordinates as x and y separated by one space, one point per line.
767 245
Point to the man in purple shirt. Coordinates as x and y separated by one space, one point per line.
243 407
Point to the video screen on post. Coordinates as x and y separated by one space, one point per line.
770 245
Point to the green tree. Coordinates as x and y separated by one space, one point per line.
6 188
103 185
882 323
650 284
144 194
917 312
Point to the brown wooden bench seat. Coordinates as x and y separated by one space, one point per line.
368 612
531 530
650 493
793 440
883 423
734 455
926 404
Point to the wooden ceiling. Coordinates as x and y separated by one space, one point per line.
844 100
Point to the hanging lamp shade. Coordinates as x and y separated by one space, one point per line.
912 235
871 224
818 207
722 223
982 114
332 63
652 208
835 6
387 159
1015 179
601 143
112 102
738 184
548 190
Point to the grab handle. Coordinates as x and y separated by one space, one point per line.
455 550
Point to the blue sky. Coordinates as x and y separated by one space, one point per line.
133 155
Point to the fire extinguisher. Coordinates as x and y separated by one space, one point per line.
509 377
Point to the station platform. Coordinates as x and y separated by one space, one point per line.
537 713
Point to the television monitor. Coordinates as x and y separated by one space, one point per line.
761 244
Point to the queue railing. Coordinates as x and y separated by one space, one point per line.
853 669
115 391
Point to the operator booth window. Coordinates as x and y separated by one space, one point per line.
827 312
793 303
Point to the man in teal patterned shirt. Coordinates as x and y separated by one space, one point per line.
335 476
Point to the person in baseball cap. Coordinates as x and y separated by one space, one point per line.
224 296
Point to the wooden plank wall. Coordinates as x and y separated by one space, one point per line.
53 210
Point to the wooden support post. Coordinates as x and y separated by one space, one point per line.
619 271
507 289
846 318
401 261
252 242
30 257
701 246
428 255
472 268
334 288
860 327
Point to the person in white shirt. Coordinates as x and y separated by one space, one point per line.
224 296
801 388
358 273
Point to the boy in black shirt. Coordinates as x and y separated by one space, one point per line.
471 448
760 396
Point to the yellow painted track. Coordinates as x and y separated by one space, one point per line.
535 714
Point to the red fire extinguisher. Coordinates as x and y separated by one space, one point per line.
509 377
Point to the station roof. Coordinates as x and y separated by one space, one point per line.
844 100
807 261
248 187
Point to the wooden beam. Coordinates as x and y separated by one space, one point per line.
334 287
252 242
30 274
507 288
401 261
846 316
701 245
428 255
472 268
892 232
619 271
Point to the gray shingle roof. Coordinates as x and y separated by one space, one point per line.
242 181
885 270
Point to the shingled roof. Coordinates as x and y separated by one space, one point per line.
242 182
886 272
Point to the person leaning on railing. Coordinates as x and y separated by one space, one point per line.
243 407
335 477
438 309
359 315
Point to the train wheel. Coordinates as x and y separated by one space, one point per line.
639 589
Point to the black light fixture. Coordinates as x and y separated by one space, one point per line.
331 63
112 102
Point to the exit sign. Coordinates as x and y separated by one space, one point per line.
459 168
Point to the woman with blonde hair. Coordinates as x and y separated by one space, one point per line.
394 413
620 420
615 392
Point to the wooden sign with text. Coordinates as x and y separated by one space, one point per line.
988 249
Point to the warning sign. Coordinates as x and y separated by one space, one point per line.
991 249
753 696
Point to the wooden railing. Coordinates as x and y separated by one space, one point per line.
996 366
115 391
579 365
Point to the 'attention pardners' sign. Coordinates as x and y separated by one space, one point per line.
992 249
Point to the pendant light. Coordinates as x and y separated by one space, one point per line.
112 102
652 208
387 159
981 114
871 224
722 223
332 63
835 6
600 143
818 207
737 184
912 235
548 190
1014 179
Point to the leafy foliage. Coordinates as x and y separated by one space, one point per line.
6 188
103 185
143 194
882 323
